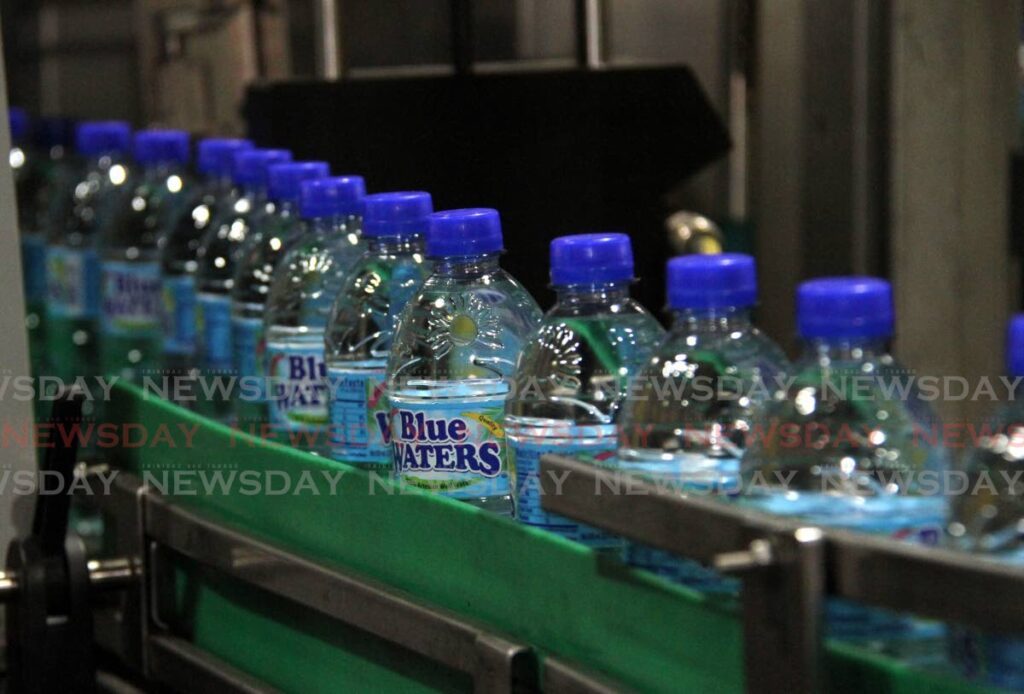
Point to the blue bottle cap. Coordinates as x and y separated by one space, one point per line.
845 307
332 197
1015 346
471 231
216 154
161 147
17 119
402 215
53 131
700 282
590 258
284 181
103 137
251 165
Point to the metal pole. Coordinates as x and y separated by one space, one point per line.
328 49
590 33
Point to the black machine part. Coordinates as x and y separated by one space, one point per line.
49 625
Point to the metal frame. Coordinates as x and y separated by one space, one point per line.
788 568
153 531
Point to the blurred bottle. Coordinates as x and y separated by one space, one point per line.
72 259
54 172
451 364
179 250
989 521
217 260
27 183
573 373
842 447
130 310
686 418
362 324
304 287
272 232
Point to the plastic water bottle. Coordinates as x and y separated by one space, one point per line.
573 373
72 257
46 198
840 447
218 257
685 420
989 522
272 232
362 324
28 179
451 364
179 250
305 283
130 298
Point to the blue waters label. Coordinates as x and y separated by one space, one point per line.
525 452
298 401
33 266
72 282
213 328
250 347
359 415
179 314
452 446
131 305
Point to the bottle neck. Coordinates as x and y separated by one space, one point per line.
845 348
335 224
105 160
467 265
724 319
161 171
253 191
604 293
395 245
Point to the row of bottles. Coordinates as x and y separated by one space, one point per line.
376 331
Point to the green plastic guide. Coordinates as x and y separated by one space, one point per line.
626 625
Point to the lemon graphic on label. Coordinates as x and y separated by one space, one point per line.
486 422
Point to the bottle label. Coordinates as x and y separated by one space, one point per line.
299 396
213 327
72 282
359 415
249 346
33 267
524 454
180 314
131 299
452 446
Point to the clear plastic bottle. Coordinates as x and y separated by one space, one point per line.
272 233
53 172
573 373
362 324
451 364
686 418
179 250
988 520
28 180
304 286
131 313
218 258
72 257
839 447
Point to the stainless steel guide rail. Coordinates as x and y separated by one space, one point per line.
135 627
788 568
